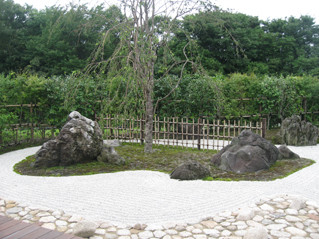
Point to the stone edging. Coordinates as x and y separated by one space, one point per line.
275 217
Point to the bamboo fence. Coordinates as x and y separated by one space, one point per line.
173 131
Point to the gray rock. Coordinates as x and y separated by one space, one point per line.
247 153
190 170
109 155
296 132
80 140
258 232
84 229
286 153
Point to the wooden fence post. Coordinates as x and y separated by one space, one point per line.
263 127
198 133
142 130
32 129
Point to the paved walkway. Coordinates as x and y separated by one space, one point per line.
147 197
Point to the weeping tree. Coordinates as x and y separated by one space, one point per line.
145 32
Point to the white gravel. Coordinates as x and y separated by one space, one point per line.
147 197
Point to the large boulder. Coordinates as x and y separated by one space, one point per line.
247 153
190 170
80 140
296 132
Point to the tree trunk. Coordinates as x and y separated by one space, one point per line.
148 148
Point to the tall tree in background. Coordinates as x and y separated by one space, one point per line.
146 29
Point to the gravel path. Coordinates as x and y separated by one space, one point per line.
147 197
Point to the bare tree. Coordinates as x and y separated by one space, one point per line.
140 39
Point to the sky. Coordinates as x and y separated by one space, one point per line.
264 9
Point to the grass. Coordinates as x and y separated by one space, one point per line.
164 159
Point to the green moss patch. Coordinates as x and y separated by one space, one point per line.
164 159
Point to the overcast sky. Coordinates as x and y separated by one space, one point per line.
264 9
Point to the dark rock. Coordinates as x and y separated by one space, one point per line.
190 170
80 140
286 153
109 155
294 131
247 153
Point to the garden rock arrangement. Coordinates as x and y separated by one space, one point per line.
248 152
274 217
190 170
296 132
80 140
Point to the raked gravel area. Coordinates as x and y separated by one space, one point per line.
146 197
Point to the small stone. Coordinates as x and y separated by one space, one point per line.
279 233
199 226
47 219
314 235
291 211
313 217
50 226
258 232
153 227
185 234
105 225
139 226
276 226
225 224
167 237
57 213
10 206
62 229
134 236
84 229
209 224
258 218
180 227
296 231
292 218
299 225
145 235
110 236
169 225
123 237
218 219
43 214
226 233
75 218
267 207
240 233
171 232
226 214
159 234
176 237
111 229
211 232
245 214
14 210
197 231
61 223
200 236
100 231
123 232
297 204
96 237
22 213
